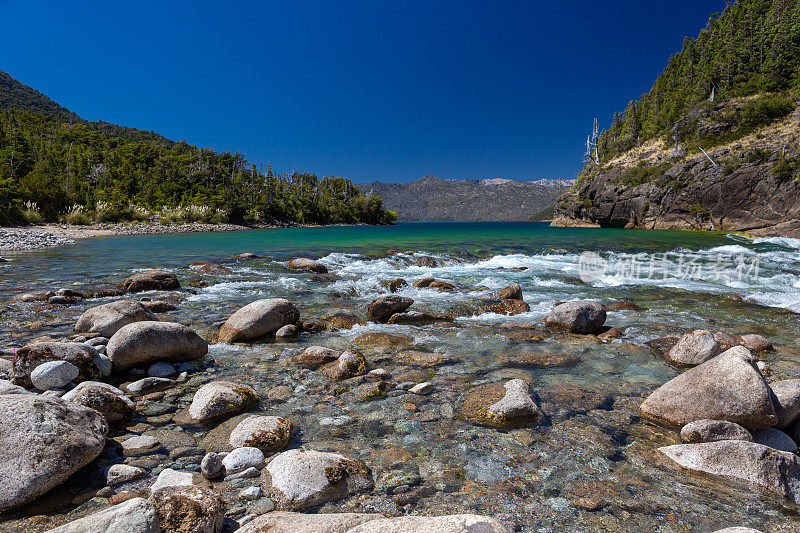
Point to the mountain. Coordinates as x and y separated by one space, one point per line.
715 143
432 199
54 165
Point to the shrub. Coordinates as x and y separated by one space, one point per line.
786 168
77 216
758 156
31 213
764 110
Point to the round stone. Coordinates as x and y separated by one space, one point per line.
53 374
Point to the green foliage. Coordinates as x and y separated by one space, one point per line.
786 168
642 173
758 156
764 110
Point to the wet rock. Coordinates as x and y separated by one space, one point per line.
512 292
245 256
258 319
135 515
213 269
419 318
33 355
241 459
303 263
506 307
120 473
371 391
423 359
382 340
151 280
775 438
460 523
36 296
396 284
53 374
267 433
537 360
220 399
151 384
139 443
786 400
726 341
383 307
297 479
211 465
42 442
344 320
421 388
423 282
314 326
288 331
662 345
756 343
188 509
315 356
577 317
624 306
713 430
108 318
159 306
727 387
161 369
104 291
288 522
501 405
142 343
61 300
350 364
172 478
610 334
774 470
104 398
441 286
693 348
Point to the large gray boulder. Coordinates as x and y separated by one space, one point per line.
693 348
258 319
151 280
582 317
786 400
774 470
727 387
106 319
104 398
43 441
136 515
220 399
32 355
382 308
297 479
142 343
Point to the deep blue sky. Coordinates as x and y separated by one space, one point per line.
368 90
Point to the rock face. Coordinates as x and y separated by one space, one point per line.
727 387
106 319
382 308
297 479
32 355
142 343
267 433
350 364
136 515
507 405
258 319
221 398
151 280
303 263
53 375
188 509
786 400
713 430
577 317
104 398
693 348
776 471
512 292
42 442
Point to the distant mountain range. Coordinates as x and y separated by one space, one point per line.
432 199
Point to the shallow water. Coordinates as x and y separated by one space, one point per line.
591 465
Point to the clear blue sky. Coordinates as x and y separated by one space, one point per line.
368 90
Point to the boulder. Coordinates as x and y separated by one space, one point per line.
43 441
136 515
727 387
315 356
303 263
151 280
213 269
172 478
775 438
419 318
103 398
108 318
460 523
32 355
383 307
501 405
188 509
713 430
289 522
512 292
509 307
756 343
241 459
344 320
53 375
211 465
297 479
220 399
142 343
350 364
693 348
267 433
258 319
582 317
36 296
441 286
786 400
774 470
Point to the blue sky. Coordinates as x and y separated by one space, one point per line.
369 90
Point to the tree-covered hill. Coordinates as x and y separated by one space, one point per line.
55 165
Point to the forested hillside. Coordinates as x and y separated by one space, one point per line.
56 166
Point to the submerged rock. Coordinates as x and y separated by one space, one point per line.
537 360
267 433
383 307
188 509
258 319
344 320
289 522
297 479
350 364
151 280
303 263
136 515
315 356
104 398
582 317
501 405
693 348
221 398
33 355
774 470
508 306
108 318
713 430
382 340
512 292
727 387
42 442
419 318
142 343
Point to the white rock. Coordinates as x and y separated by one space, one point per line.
221 398
517 402
243 458
422 388
103 363
250 493
145 385
136 515
53 374
140 442
172 478
120 473
267 433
